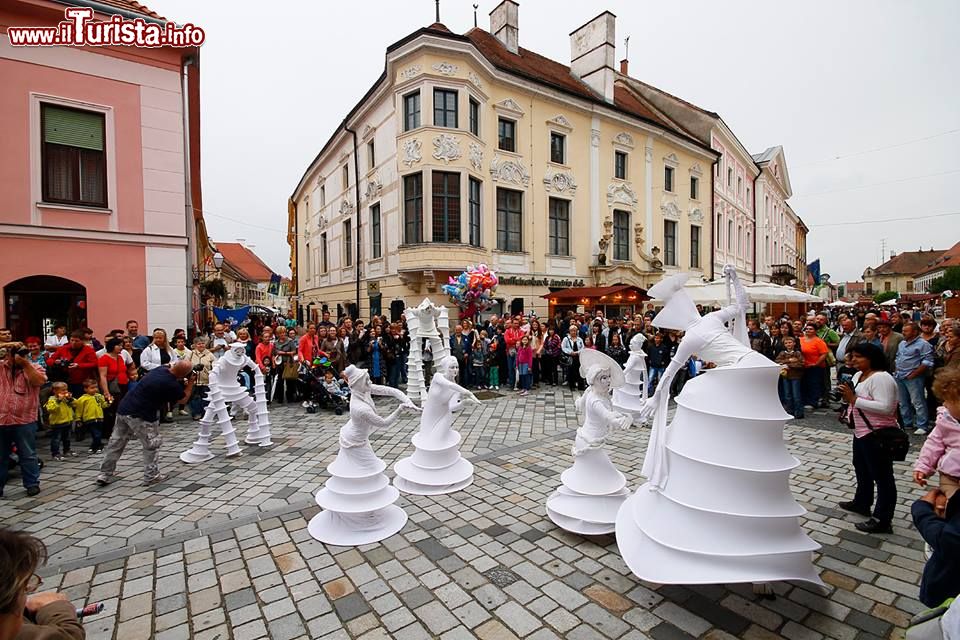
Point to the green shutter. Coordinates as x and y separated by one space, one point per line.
71 128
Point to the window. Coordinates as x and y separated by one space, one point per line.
620 165
730 245
445 108
670 243
509 220
346 176
749 255
909 285
323 195
621 235
694 247
558 148
739 240
507 134
347 243
376 247
372 154
411 111
474 217
446 207
694 188
474 117
869 288
748 194
739 186
73 156
729 176
324 264
719 231
668 178
413 208
559 227
886 286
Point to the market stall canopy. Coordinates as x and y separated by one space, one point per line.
715 293
841 303
576 293
889 303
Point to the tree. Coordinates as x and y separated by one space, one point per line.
949 281
886 295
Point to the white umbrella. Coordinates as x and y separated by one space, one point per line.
841 303
770 292
889 303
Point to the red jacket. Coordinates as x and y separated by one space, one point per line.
86 359
512 337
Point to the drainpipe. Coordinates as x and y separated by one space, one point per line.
756 230
191 224
713 220
356 187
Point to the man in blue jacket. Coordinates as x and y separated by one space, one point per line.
940 528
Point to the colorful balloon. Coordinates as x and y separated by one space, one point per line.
473 289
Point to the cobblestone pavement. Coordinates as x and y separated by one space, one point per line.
221 550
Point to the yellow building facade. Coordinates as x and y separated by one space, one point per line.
473 150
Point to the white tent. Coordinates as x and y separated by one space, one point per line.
841 303
889 303
715 293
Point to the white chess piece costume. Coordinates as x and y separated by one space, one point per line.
430 322
593 489
357 499
224 388
632 395
717 506
436 467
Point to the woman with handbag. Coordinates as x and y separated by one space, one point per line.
872 398
571 347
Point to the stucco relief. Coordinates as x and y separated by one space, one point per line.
411 152
445 68
670 210
696 215
623 138
649 153
374 187
696 169
412 72
346 208
475 79
506 170
560 181
476 156
561 122
595 137
671 160
621 193
446 148
509 105
367 132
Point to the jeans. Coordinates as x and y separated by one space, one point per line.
95 428
792 398
511 369
525 381
874 467
653 375
198 401
59 435
913 406
811 385
24 438
394 370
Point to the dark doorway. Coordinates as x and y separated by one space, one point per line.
376 306
35 305
516 306
396 310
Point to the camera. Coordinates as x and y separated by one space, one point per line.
23 352
197 368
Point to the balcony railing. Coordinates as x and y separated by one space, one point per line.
783 271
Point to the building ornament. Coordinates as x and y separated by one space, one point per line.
696 169
321 222
411 152
507 170
671 160
623 139
445 68
374 187
412 72
670 210
621 193
346 208
649 153
446 148
367 132
320 181
639 237
560 122
595 137
476 156
344 156
475 79
696 215
560 181
510 107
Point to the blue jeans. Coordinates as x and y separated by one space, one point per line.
653 376
792 398
913 406
394 369
811 385
24 437
511 369
198 401
525 381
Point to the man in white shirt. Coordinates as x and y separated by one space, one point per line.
58 339
220 341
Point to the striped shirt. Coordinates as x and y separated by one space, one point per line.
19 400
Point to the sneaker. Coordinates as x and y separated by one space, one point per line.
104 480
184 412
34 490
58 458
73 454
160 477
920 432
169 415
91 451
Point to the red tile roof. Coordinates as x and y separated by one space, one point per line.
244 261
908 262
950 258
134 6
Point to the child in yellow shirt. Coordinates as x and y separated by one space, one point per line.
89 409
60 413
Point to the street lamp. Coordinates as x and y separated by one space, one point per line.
218 260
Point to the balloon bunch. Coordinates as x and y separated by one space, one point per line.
473 289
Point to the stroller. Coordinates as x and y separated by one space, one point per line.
315 394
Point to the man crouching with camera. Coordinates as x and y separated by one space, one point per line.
20 382
138 416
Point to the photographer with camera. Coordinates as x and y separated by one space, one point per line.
202 360
138 416
73 363
20 382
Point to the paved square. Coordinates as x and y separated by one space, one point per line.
221 550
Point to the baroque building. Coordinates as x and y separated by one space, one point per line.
470 149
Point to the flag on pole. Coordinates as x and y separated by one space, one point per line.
234 317
813 269
274 288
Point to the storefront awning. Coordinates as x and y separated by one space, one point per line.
576 293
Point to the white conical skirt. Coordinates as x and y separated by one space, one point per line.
592 492
628 399
593 474
725 513
633 376
435 468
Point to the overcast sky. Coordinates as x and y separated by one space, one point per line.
862 95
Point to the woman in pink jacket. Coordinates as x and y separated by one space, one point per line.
525 364
941 451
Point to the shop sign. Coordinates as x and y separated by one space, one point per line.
540 282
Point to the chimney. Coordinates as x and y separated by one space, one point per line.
623 67
592 52
504 24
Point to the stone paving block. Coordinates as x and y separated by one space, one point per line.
494 630
351 606
436 617
286 628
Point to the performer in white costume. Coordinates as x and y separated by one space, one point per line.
437 466
224 387
357 498
430 322
717 506
632 396
592 489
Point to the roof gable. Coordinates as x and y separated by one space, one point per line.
774 161
244 261
907 263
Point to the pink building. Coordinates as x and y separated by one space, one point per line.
100 201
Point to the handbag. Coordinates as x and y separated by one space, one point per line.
893 441
291 370
113 386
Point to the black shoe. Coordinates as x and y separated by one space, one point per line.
853 507
874 526
32 491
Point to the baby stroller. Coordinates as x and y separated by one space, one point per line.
13 462
314 393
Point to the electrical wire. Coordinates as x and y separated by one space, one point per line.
883 220
875 149
875 184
